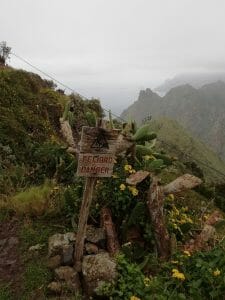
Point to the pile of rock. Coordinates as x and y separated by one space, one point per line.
97 266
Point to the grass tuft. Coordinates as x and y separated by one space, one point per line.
37 200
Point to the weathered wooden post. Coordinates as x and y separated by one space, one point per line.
156 196
96 159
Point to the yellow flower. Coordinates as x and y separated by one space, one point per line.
176 211
134 298
175 226
122 187
174 271
185 208
174 261
171 197
127 168
216 272
148 157
186 252
177 274
147 281
205 217
133 190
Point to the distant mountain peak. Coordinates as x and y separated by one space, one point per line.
184 88
197 80
200 110
147 92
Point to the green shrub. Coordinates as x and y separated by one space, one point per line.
36 278
201 276
37 200
5 293
130 282
51 160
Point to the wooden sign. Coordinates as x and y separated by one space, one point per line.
96 159
97 152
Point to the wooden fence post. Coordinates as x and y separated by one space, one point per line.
83 218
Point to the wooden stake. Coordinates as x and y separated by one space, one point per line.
107 223
83 218
155 205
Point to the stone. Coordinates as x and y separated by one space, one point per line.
69 276
54 262
57 241
3 242
207 233
137 177
55 287
67 255
55 244
96 270
91 248
13 241
96 235
71 236
36 247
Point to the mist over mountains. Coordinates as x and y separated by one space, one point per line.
199 110
197 80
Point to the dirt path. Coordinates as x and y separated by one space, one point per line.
10 264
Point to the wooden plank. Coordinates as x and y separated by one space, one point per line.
98 140
95 165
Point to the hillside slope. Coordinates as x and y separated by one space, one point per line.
200 111
31 147
176 141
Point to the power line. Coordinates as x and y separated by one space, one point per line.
46 74
61 83
197 160
106 110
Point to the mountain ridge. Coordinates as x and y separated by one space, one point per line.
201 111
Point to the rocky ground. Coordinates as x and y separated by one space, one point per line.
97 267
10 263
18 257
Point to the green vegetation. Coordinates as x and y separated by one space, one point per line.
39 186
30 139
5 293
172 138
36 277
37 200
200 276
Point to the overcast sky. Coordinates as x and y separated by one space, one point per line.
113 48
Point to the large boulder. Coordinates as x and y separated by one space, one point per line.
69 277
54 262
96 235
98 269
57 242
91 248
55 287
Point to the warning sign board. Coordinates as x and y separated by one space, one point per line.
97 152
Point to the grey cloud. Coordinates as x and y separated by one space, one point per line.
111 49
